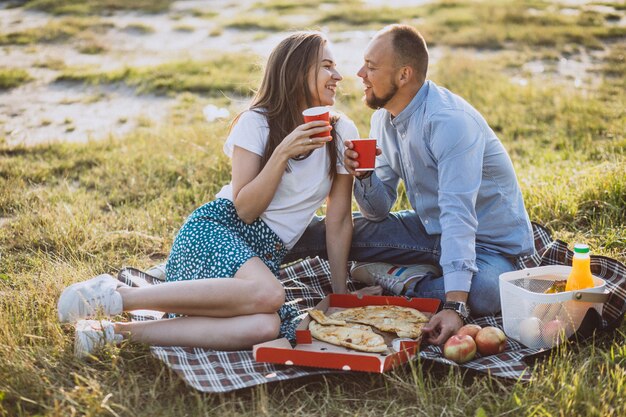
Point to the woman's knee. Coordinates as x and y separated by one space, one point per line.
264 290
269 296
266 327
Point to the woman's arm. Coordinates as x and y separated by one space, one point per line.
339 230
253 187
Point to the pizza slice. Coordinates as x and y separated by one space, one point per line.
350 337
404 321
321 318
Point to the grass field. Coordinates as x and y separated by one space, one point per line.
70 211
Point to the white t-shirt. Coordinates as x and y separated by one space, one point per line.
300 192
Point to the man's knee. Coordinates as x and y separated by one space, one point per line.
484 296
485 291
485 302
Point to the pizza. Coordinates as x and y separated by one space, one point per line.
355 338
351 327
404 321
322 318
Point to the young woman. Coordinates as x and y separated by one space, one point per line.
222 271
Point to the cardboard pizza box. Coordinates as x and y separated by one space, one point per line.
312 352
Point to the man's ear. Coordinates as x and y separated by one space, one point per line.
405 74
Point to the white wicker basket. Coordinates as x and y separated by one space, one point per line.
540 320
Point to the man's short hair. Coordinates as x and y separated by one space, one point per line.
409 47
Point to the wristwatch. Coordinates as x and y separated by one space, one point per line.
459 307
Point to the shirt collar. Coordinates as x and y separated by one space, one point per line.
412 107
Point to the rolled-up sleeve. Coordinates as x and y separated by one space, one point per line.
376 194
457 143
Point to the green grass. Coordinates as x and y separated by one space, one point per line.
13 77
90 7
56 31
295 5
254 22
486 24
232 74
205 14
365 17
139 28
70 211
85 209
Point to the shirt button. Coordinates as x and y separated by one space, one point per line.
425 221
268 256
278 247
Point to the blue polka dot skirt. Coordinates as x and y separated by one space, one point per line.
214 243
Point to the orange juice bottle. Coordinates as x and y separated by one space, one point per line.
580 277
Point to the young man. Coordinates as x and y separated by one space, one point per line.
467 216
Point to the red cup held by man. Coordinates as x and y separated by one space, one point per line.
317 113
366 148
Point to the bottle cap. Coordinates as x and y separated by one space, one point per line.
581 248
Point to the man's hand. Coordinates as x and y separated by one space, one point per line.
441 326
350 162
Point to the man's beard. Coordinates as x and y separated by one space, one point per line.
377 102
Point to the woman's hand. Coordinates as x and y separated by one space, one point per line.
301 142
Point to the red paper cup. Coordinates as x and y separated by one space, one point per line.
366 148
317 113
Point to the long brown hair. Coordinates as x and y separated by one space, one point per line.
285 89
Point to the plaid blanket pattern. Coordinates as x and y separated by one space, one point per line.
308 281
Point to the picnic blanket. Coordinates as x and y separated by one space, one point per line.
307 282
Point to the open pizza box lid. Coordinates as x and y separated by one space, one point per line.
312 352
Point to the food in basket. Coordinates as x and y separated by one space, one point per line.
350 337
404 321
553 332
530 331
556 287
547 311
460 349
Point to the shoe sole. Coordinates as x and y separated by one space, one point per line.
70 300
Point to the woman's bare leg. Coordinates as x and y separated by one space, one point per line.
233 333
253 290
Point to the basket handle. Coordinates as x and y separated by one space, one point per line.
591 297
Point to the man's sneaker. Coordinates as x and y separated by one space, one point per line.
394 279
92 335
157 271
85 299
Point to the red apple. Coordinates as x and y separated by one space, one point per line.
553 332
490 340
460 349
470 330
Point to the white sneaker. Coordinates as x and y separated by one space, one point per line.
85 299
92 335
157 271
393 279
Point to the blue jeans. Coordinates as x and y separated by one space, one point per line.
401 239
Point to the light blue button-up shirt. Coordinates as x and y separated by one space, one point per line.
458 177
